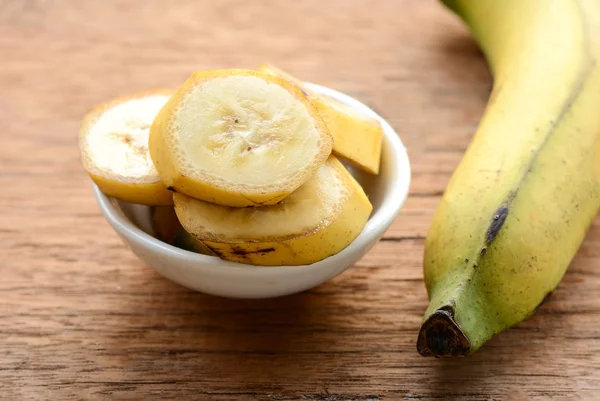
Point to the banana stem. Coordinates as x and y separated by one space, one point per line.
441 337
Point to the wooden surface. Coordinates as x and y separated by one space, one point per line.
82 318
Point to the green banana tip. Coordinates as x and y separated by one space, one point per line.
440 336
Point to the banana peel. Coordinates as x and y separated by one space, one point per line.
357 137
113 145
238 138
518 206
318 220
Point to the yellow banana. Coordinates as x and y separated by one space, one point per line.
238 138
167 228
356 137
520 202
113 141
318 220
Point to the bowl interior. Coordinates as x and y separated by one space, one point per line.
386 191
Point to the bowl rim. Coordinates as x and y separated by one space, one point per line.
375 227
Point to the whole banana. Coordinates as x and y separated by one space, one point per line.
519 204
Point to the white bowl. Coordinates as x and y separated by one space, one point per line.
208 274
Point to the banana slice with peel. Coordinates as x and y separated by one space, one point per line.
167 228
318 220
238 138
271 69
356 136
113 141
186 241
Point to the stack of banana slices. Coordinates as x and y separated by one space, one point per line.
238 164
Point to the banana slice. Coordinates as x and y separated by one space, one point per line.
113 141
356 136
238 138
316 221
187 242
167 228
272 70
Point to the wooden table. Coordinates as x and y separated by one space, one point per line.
82 318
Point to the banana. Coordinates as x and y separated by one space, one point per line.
167 228
356 136
113 141
238 138
316 221
272 70
520 202
186 241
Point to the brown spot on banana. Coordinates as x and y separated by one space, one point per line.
495 226
216 251
243 252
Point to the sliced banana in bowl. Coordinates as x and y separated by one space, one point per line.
311 234
113 142
357 136
238 138
316 221
167 228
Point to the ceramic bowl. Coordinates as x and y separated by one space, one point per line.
208 274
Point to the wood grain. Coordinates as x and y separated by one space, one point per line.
82 318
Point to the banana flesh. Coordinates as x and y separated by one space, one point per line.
316 221
238 138
223 141
519 204
356 137
113 141
185 241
